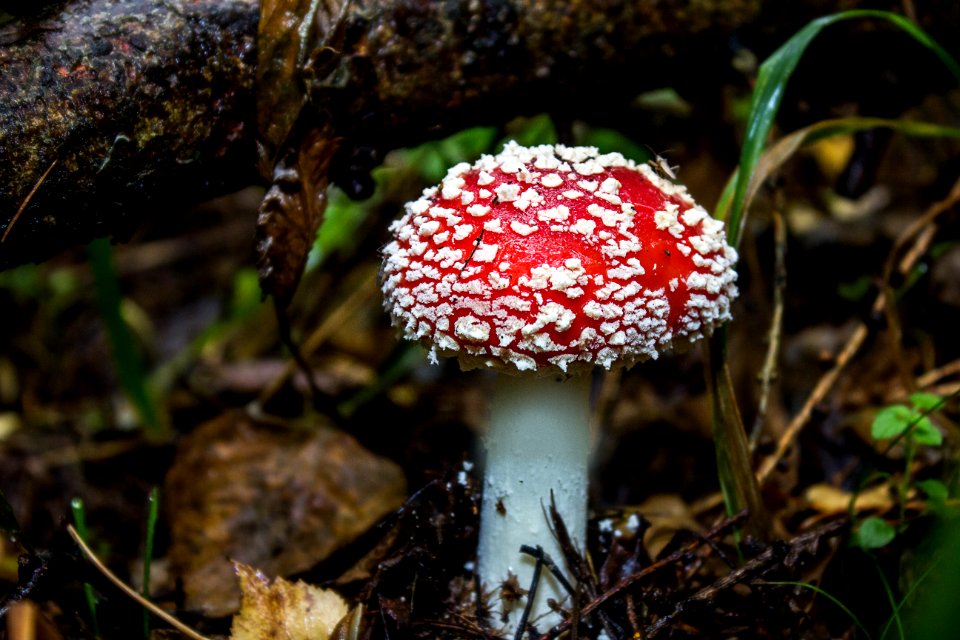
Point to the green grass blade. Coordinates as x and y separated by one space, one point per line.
130 369
738 482
153 508
784 149
828 596
893 602
80 523
772 79
895 616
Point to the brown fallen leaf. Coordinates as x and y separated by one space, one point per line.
830 500
292 210
279 92
667 514
282 609
278 498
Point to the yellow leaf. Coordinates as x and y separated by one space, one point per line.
284 610
828 499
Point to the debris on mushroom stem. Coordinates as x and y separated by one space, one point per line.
553 259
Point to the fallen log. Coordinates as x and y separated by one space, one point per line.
114 110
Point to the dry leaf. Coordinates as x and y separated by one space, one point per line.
295 141
284 610
292 210
667 514
281 499
279 91
828 499
287 30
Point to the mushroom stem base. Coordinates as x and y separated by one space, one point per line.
537 441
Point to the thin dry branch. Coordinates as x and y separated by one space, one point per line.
129 591
920 232
720 529
774 335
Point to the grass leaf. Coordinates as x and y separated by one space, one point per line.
79 512
153 507
925 433
828 596
784 149
772 80
126 357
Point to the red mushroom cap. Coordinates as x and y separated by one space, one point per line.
554 259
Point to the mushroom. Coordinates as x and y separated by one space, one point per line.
542 264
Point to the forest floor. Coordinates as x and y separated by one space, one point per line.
843 352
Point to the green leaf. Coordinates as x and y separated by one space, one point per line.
531 131
891 421
934 489
874 533
130 368
895 420
771 83
924 432
926 401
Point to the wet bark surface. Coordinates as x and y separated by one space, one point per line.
113 109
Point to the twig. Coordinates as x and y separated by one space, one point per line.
947 389
537 553
581 568
22 620
628 581
334 321
859 335
923 229
935 375
632 617
26 201
820 391
543 557
769 372
771 555
462 627
143 602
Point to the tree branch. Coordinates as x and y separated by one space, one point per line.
134 100
135 106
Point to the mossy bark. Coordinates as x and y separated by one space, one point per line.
127 103
112 110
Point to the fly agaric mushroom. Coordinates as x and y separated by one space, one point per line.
542 263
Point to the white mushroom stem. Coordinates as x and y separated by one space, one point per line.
537 441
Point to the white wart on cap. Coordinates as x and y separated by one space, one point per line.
555 259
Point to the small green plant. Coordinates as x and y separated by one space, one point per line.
153 508
131 371
80 522
737 480
79 513
910 426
